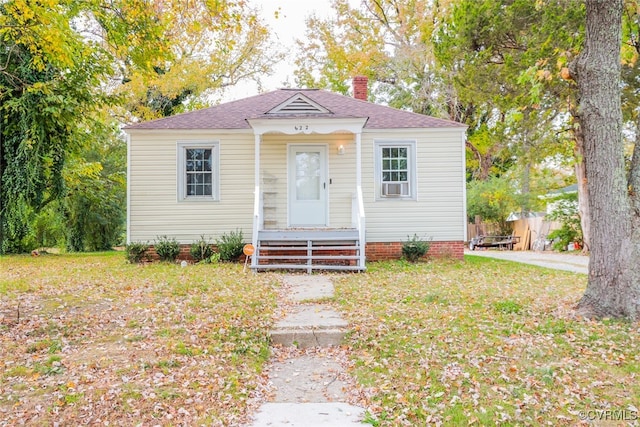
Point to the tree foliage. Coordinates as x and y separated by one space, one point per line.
209 46
493 200
505 58
94 206
388 41
47 94
63 63
566 212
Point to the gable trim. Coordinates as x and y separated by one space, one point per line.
299 104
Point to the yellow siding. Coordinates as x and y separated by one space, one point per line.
274 176
439 211
154 209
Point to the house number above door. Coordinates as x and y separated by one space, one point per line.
302 128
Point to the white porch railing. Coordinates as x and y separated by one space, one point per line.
257 223
359 223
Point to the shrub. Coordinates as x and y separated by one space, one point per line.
201 250
136 251
415 248
230 245
566 212
167 249
563 236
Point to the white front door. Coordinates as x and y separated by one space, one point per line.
308 185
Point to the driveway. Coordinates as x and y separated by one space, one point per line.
559 261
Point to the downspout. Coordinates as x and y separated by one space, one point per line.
361 215
465 219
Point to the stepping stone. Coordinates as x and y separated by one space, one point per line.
308 388
307 378
314 325
333 414
309 287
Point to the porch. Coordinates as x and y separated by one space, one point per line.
308 204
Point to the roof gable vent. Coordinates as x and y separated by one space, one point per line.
299 104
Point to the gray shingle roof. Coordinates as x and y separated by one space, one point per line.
234 115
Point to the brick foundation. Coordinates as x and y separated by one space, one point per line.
376 251
380 251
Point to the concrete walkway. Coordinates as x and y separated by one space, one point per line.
309 383
555 260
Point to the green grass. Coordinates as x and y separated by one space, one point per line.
483 342
96 332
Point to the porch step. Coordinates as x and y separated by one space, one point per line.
308 267
309 234
314 325
308 249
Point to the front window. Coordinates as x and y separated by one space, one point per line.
395 169
198 171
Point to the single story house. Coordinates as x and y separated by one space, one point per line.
313 179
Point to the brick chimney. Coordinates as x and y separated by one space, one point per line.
360 87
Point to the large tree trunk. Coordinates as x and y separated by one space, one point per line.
634 173
613 288
583 189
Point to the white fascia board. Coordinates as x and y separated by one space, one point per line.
137 132
413 131
298 125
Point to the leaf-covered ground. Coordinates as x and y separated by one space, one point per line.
90 339
486 342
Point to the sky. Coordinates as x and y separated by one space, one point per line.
289 26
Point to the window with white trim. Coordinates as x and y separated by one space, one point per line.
395 169
198 171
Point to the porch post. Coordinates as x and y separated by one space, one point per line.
359 159
257 140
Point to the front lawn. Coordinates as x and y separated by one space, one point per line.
485 342
91 339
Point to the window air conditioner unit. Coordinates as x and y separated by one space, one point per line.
391 189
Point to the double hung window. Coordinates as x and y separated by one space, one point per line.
395 169
198 167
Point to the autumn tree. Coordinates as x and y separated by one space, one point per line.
613 288
510 56
210 46
93 211
631 79
62 62
389 41
47 93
